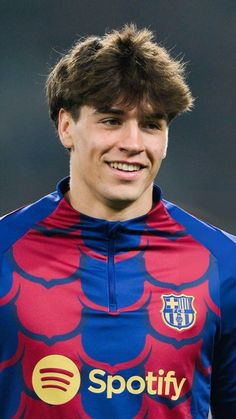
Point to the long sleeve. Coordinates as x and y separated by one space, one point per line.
223 396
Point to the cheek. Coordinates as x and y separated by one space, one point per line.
83 152
156 154
159 149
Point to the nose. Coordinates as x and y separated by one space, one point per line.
131 139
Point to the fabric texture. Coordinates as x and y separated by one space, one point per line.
131 319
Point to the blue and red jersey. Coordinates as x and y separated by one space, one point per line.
115 319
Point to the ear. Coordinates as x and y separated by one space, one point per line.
65 123
166 146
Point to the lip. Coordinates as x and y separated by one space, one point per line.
127 162
121 174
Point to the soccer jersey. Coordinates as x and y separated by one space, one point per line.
115 319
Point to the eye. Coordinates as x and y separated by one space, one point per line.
111 121
151 125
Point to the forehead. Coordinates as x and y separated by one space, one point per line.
139 110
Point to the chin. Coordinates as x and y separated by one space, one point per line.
121 201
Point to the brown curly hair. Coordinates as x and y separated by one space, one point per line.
124 67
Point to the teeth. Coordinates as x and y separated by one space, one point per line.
125 166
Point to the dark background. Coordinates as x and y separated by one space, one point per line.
199 172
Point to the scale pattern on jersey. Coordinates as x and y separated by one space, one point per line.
56 301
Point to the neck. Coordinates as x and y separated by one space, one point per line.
109 210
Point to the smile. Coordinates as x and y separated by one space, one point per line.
126 167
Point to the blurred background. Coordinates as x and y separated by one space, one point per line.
199 172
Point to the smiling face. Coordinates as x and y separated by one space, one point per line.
115 156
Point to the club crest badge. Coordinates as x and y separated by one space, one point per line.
178 311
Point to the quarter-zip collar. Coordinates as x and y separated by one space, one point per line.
104 226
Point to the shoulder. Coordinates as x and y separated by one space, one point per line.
222 246
220 243
15 224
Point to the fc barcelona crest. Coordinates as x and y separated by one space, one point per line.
178 311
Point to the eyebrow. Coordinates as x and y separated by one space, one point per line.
156 115
105 110
120 112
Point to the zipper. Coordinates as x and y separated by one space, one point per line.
112 303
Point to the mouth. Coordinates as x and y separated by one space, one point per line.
126 167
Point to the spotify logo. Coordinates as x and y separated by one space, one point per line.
56 379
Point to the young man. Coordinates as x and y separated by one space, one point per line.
115 303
